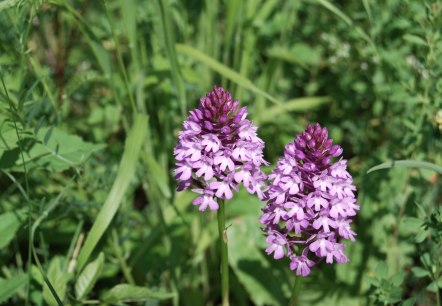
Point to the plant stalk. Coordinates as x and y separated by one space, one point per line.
295 292
224 253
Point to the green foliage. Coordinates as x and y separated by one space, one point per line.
9 224
88 277
93 94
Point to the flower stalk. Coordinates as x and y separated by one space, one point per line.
218 150
294 298
224 253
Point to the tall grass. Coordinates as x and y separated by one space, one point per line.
92 98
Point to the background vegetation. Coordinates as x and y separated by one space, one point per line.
93 94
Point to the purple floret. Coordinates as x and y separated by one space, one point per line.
217 150
311 202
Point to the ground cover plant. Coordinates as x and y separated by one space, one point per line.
93 95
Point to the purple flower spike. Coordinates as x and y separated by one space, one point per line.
311 202
217 150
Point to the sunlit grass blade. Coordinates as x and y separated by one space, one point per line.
407 164
332 8
171 53
224 71
126 173
299 104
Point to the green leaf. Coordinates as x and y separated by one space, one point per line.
57 279
381 270
5 4
413 223
397 279
415 39
57 151
9 224
409 302
224 70
435 285
9 286
299 104
128 293
300 54
332 8
421 236
126 173
88 277
419 272
250 266
407 164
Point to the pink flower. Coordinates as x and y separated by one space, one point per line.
218 149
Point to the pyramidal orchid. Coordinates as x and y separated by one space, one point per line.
218 150
311 203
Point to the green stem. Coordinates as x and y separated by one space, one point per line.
224 253
438 301
294 298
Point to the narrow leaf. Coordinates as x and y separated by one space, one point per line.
224 70
299 104
125 175
332 8
407 164
128 293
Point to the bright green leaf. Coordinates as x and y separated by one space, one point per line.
125 175
9 286
5 4
419 272
415 39
299 104
86 280
223 70
407 164
128 293
435 285
57 150
250 266
9 224
57 278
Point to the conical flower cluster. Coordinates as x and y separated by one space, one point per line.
311 202
217 150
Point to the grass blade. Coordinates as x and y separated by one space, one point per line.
299 104
407 164
126 173
171 53
224 70
336 11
